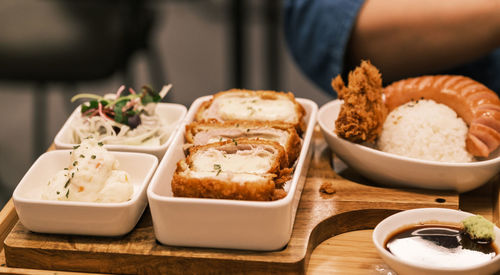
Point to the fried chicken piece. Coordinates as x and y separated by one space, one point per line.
363 113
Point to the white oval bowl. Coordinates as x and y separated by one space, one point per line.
399 171
409 217
174 114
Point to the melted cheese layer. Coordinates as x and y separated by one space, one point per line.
225 176
224 134
238 107
256 160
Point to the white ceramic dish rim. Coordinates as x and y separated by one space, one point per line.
133 200
115 147
367 149
256 204
381 249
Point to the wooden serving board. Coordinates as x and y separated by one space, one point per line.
355 204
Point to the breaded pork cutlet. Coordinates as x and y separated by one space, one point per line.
201 133
248 105
239 169
363 113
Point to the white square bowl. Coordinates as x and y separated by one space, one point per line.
220 223
173 113
81 218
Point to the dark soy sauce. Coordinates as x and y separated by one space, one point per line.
439 246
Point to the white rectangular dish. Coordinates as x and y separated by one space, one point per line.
81 218
171 112
219 223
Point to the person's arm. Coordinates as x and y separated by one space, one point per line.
408 37
317 34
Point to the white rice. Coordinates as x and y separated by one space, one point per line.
425 130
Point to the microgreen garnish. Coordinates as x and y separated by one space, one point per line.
125 108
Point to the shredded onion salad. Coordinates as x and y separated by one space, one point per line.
122 119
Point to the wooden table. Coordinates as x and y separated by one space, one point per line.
346 253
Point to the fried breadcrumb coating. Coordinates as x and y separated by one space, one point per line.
363 113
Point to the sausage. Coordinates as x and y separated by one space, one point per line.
475 103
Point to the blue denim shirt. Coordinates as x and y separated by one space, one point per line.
317 33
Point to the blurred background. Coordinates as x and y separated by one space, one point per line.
51 50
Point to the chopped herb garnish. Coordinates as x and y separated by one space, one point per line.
218 168
58 192
100 143
92 157
48 183
66 168
82 156
237 125
76 147
235 142
248 130
67 183
251 109
70 152
220 139
75 163
67 193
73 174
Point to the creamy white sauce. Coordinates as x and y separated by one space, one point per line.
92 175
